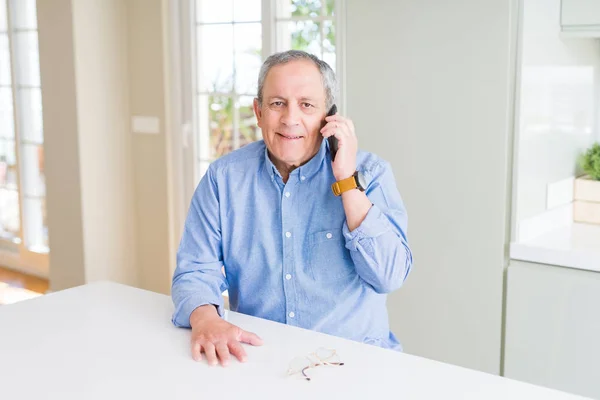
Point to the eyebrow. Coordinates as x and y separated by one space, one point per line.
311 99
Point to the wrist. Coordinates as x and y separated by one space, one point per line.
343 175
203 313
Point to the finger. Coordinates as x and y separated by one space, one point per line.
335 129
338 118
328 125
237 350
209 351
340 130
346 127
342 121
196 351
334 117
223 353
328 132
250 338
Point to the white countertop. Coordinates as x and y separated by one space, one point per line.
109 341
576 245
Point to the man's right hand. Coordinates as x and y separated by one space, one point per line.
217 338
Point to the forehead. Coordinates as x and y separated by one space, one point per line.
298 77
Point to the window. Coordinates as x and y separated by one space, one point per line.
23 225
230 40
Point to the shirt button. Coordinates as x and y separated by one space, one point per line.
288 234
292 315
329 235
288 277
287 194
302 178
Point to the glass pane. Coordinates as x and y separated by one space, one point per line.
248 41
3 23
32 173
5 78
301 35
7 127
298 8
32 129
304 8
36 228
329 8
329 58
24 14
8 177
247 10
9 212
329 43
215 58
249 131
328 36
27 54
214 10
218 125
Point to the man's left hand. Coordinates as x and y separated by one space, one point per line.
342 128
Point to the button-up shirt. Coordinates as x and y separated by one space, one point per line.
286 249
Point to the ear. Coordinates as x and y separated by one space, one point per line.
257 112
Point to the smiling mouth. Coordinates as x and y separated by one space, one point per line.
289 137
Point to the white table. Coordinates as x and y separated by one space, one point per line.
109 341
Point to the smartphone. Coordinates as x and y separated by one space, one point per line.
333 141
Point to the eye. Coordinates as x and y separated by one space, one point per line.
307 105
277 103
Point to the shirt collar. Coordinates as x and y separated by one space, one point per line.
305 171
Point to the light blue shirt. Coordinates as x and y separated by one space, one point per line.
287 250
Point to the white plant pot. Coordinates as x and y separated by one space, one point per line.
586 207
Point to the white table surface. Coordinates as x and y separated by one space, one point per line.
109 341
576 246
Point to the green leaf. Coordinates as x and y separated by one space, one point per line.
590 161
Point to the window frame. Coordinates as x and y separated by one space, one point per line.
269 20
16 254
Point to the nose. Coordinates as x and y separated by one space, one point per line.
291 115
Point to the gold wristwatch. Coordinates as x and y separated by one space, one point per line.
356 181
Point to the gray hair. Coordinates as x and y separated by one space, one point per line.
327 74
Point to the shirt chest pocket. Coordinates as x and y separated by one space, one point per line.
329 260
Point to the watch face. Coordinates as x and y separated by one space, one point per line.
360 179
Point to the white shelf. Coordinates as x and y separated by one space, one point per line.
575 246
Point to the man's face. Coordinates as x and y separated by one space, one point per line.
292 112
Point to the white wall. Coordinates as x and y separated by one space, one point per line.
148 96
109 199
558 95
101 66
428 86
61 143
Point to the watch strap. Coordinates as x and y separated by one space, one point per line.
344 185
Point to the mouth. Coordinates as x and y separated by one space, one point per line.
289 137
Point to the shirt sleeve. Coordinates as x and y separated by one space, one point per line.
198 279
379 245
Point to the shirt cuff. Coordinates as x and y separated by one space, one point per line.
181 317
374 224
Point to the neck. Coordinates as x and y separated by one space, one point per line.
285 169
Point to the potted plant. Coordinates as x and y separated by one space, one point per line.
586 207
